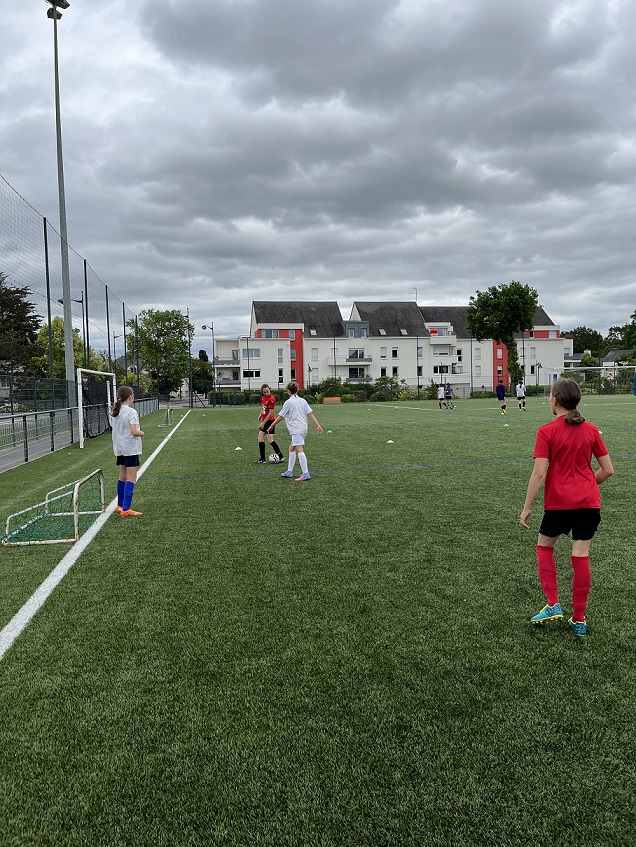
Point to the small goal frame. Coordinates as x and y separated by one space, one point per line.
31 516
111 388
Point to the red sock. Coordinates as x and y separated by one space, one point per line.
581 582
547 574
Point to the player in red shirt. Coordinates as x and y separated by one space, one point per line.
572 501
266 420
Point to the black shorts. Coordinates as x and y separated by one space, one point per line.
583 523
128 461
268 428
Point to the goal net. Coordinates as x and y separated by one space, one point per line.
65 514
96 392
609 379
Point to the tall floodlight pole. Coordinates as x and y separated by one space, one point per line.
211 328
69 362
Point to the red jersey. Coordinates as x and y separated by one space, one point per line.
570 482
267 408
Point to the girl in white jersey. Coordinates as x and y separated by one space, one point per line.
127 445
294 412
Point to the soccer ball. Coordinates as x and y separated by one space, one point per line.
274 458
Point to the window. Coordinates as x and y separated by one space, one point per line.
251 374
292 355
420 352
533 352
280 355
292 334
235 355
270 333
441 351
403 332
382 331
499 370
383 352
351 333
356 373
459 355
280 374
382 371
477 353
439 330
314 354
395 371
394 353
477 370
419 370
440 369
356 353
251 353
457 369
313 332
499 353
532 369
293 373
314 375
363 332
552 333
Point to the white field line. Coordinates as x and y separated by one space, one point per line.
18 623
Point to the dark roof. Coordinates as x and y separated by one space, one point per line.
456 316
614 354
392 317
324 317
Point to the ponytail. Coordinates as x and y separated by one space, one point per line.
567 394
123 393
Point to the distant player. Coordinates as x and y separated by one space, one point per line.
127 446
520 391
295 412
500 390
448 394
266 425
440 395
572 501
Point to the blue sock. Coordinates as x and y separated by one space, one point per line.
129 488
120 491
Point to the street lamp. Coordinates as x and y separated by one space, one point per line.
84 345
211 328
537 369
249 378
69 363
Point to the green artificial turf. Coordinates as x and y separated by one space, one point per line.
343 662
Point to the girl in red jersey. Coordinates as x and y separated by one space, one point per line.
265 425
572 502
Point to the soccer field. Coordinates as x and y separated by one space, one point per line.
347 661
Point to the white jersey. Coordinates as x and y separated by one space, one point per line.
521 391
440 392
294 411
125 444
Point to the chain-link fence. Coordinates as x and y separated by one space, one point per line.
30 257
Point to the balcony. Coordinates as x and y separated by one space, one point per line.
449 339
359 361
227 363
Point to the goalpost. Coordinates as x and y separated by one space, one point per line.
82 408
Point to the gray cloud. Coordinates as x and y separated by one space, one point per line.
221 152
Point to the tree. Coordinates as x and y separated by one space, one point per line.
57 335
19 326
622 337
202 376
499 313
584 338
164 349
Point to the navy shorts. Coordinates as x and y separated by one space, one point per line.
582 523
128 461
268 428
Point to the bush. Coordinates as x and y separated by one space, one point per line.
378 397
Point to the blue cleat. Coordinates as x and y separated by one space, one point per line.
287 474
548 613
578 627
303 477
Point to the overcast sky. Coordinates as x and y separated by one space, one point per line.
222 151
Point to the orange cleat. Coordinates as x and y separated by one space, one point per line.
118 509
130 513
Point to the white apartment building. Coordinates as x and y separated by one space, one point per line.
310 341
